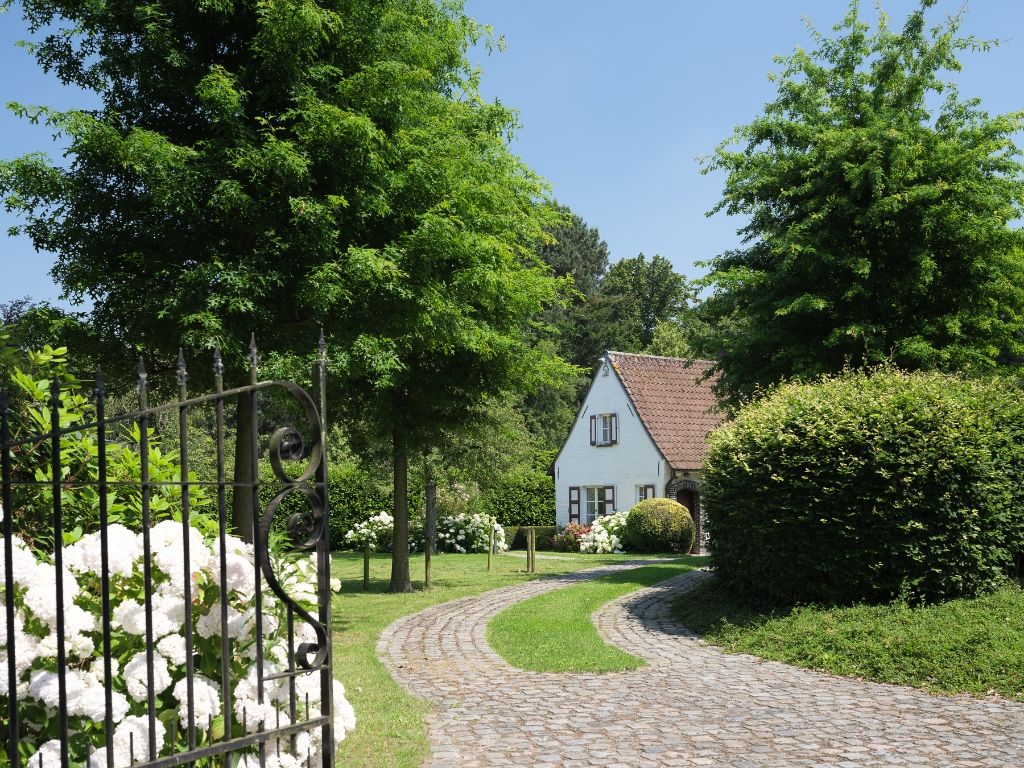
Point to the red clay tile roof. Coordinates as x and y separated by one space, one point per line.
674 402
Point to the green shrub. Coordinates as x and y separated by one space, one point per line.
523 498
545 534
659 525
869 488
353 496
568 540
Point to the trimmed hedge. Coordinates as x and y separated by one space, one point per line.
354 495
522 498
658 525
516 536
869 488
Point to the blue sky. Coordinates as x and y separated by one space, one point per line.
617 99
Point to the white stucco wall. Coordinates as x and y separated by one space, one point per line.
633 461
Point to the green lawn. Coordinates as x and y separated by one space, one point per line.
553 632
390 731
961 646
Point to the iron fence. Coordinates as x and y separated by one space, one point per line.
221 595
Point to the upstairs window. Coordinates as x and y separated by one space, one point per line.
644 492
604 429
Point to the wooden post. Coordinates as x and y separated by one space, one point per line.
531 543
427 546
490 546
366 567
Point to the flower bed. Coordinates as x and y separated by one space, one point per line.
35 628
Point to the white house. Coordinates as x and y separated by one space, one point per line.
641 432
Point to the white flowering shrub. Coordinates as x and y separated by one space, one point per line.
605 535
469 532
379 532
375 531
35 631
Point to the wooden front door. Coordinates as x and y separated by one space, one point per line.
688 498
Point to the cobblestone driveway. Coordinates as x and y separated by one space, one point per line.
692 705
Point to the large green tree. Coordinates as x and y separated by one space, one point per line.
632 298
879 206
278 166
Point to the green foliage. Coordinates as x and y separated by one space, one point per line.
29 376
275 168
526 497
868 488
880 211
568 539
659 525
633 297
353 497
516 537
922 646
575 250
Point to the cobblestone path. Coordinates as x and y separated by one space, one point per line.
691 706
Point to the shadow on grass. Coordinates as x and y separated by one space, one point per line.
710 608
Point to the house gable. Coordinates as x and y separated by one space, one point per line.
632 460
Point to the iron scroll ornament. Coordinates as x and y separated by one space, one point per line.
305 528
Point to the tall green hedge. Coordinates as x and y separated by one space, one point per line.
869 488
526 497
353 494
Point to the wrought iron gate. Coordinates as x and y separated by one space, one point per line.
207 606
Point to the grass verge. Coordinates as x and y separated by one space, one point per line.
553 632
390 731
973 646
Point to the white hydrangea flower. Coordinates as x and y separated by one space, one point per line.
131 740
240 623
47 756
131 617
167 545
23 563
124 548
172 647
41 593
344 714
136 676
205 701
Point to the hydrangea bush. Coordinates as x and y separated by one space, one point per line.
36 612
375 532
469 532
461 532
605 535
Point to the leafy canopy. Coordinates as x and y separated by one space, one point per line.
879 205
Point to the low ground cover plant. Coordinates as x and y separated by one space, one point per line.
869 487
658 525
966 645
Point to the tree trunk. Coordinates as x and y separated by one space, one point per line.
400 581
430 532
242 512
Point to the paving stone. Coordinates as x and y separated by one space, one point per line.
692 705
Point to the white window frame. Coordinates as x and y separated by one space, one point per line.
605 428
592 500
